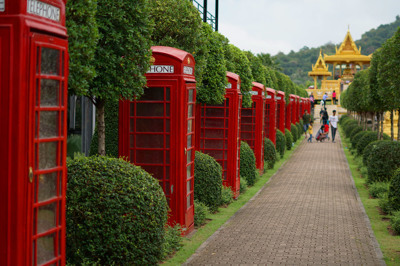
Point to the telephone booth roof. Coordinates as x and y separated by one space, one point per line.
232 77
170 61
271 91
34 17
259 88
280 93
292 96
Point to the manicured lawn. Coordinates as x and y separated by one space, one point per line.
390 245
191 244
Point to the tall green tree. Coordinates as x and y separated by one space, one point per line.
257 68
122 56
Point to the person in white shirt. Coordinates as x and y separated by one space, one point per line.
333 120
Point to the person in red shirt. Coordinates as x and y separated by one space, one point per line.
334 97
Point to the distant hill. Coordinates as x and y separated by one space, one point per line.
297 64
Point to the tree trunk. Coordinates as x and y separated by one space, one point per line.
391 125
101 127
382 118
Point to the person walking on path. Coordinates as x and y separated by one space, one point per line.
325 117
324 98
310 132
306 121
333 120
334 97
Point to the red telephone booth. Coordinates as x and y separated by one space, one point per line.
297 108
218 132
302 105
270 115
251 124
308 105
280 111
33 106
156 131
292 104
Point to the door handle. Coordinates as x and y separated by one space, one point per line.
30 174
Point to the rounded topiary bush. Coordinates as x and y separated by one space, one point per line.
354 132
394 190
247 164
356 139
367 138
289 139
368 150
349 123
293 130
349 129
384 160
207 181
116 213
280 143
300 130
343 118
269 153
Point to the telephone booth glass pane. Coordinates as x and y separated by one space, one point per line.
267 119
190 148
48 142
214 132
149 134
248 125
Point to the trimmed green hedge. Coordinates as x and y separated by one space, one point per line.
280 142
293 130
369 137
343 118
356 139
269 153
354 132
300 130
116 213
384 160
394 191
207 181
289 139
248 169
349 129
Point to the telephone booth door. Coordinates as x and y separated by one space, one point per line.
47 173
281 109
270 115
218 132
301 107
33 107
156 131
292 105
251 124
288 116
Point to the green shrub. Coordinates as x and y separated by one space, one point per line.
300 130
207 180
289 139
280 142
395 222
173 240
116 213
364 171
74 144
368 152
200 213
377 189
349 122
343 118
349 129
269 153
293 130
369 137
394 191
243 185
356 139
354 131
248 169
384 203
227 196
384 160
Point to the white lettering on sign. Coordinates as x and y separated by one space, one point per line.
278 98
229 86
161 69
263 93
187 70
43 10
253 93
269 97
238 86
2 5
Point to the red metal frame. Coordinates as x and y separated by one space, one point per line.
33 106
251 124
156 131
270 122
308 105
297 109
302 107
293 108
218 132
280 111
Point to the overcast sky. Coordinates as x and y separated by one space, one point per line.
271 26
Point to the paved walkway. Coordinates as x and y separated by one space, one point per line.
308 214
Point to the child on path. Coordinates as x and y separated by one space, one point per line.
310 131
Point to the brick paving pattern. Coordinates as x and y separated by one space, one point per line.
308 214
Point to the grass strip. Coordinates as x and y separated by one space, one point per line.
390 245
190 245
